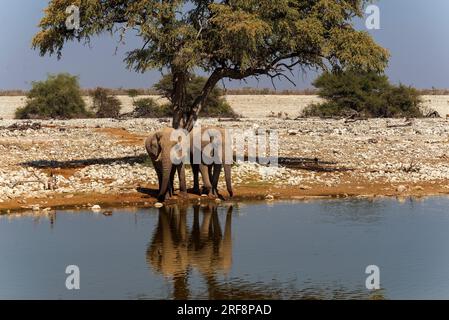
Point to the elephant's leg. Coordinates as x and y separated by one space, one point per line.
183 226
171 188
228 177
210 172
216 178
205 229
216 227
196 181
195 235
182 179
207 186
226 244
158 168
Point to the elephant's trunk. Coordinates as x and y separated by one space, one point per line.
166 176
227 171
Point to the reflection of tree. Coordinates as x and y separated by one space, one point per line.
177 249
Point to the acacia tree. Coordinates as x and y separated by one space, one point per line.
232 39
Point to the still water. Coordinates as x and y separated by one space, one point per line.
286 250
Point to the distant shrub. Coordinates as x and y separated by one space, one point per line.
403 101
13 93
58 97
149 108
365 94
132 93
327 110
215 105
104 104
266 91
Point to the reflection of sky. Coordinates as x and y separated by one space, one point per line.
415 32
319 248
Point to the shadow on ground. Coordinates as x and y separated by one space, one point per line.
148 192
75 164
298 163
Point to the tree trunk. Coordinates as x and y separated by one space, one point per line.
180 79
185 116
195 109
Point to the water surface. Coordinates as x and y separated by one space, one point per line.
286 250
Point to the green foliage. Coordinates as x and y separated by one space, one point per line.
326 110
403 101
364 93
242 33
58 97
132 93
215 104
104 104
148 108
225 39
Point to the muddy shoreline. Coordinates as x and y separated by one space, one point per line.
243 195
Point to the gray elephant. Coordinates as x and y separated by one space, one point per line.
210 172
159 146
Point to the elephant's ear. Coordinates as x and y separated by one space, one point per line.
153 146
157 145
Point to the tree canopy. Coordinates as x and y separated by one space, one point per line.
232 39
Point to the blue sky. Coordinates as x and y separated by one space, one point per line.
415 32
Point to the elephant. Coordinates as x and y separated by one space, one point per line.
159 146
210 172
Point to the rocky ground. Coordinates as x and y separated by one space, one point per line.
88 162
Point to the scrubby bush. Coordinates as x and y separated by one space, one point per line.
104 104
132 93
58 97
365 94
403 101
327 110
215 105
149 108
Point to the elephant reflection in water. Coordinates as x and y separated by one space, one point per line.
175 250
